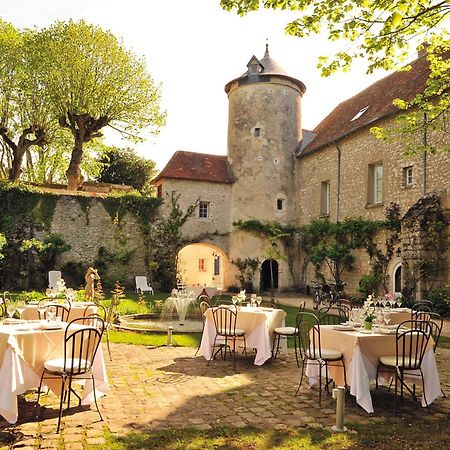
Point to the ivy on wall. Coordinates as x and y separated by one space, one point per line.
322 243
21 203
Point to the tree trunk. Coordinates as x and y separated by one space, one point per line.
73 174
16 167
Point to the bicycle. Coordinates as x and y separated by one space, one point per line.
336 292
321 294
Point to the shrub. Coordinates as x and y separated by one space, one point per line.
441 300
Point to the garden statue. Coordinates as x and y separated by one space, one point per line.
91 277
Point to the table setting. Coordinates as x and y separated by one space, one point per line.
25 345
258 323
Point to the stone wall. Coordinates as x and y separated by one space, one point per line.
357 152
86 226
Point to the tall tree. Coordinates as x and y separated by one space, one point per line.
125 166
25 119
94 82
383 33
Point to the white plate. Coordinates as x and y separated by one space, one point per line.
366 331
51 326
344 327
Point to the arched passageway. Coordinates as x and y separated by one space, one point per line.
397 279
269 275
202 265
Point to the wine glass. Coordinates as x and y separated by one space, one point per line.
386 317
41 311
51 312
20 307
11 309
258 301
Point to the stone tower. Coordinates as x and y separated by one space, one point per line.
264 130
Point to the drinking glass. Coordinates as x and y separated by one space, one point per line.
11 309
21 306
51 312
41 311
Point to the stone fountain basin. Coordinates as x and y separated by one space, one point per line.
157 323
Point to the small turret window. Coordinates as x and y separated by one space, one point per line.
257 132
280 204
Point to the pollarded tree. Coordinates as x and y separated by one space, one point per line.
25 119
383 33
94 82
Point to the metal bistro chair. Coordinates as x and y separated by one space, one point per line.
61 311
311 351
203 307
80 348
333 315
422 305
412 338
108 316
288 333
3 304
226 331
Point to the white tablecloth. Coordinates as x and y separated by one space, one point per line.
22 355
258 325
76 311
361 354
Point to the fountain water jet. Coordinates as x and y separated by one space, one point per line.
179 301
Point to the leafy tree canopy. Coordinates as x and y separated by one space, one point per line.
384 34
94 82
125 166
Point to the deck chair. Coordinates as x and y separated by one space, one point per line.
53 277
142 284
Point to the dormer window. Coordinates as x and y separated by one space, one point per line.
254 66
359 113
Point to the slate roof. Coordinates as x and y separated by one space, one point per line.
269 67
378 98
198 167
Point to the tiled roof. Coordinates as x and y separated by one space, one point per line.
377 98
197 167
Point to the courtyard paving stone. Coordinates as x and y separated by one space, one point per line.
167 387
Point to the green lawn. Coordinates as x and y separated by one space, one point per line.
387 434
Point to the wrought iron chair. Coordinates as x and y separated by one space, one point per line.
226 331
204 305
108 316
333 315
3 304
412 338
80 348
287 333
61 311
311 351
422 305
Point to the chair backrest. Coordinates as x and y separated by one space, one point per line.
308 328
61 311
3 308
203 306
422 305
101 310
436 322
141 281
53 277
412 338
332 315
92 320
225 320
80 347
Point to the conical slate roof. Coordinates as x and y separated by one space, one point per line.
267 66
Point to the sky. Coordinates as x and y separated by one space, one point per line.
193 48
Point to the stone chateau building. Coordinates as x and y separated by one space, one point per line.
276 171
